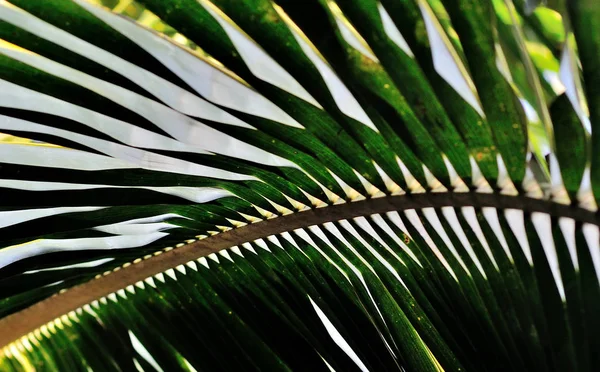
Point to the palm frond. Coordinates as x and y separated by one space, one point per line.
292 185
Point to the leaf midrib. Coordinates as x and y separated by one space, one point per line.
29 319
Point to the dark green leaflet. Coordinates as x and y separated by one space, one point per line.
572 147
411 81
474 22
474 129
472 288
277 39
585 16
272 288
374 87
193 20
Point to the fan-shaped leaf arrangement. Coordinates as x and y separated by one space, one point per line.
228 185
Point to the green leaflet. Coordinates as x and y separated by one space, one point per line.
262 293
585 16
572 147
411 81
374 87
135 137
77 21
195 21
474 24
272 31
474 129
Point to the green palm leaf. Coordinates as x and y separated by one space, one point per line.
299 185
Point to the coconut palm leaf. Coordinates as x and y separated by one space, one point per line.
341 185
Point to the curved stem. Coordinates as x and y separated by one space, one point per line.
27 320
